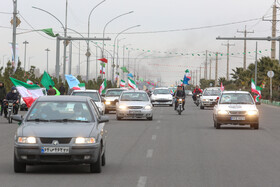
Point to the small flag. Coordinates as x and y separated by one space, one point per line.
130 75
124 69
187 77
103 60
222 87
122 84
49 32
102 68
102 87
132 84
72 81
29 82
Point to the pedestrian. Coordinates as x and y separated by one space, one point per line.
61 89
51 91
3 94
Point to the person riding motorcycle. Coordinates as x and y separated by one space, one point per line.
12 95
179 93
196 92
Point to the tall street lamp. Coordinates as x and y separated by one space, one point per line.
47 59
118 64
88 53
25 42
113 66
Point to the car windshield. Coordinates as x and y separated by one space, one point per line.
116 93
134 96
236 98
94 95
60 111
162 91
212 93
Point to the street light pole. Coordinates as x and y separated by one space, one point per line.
113 66
88 53
47 59
25 42
14 29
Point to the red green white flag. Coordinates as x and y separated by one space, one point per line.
257 90
28 92
132 84
102 87
29 82
102 68
122 84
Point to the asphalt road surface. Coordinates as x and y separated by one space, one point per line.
170 151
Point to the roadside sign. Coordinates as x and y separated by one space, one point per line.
270 74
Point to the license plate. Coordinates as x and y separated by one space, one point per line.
135 112
54 150
237 118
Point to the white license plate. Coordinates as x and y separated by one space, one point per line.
237 118
55 150
135 111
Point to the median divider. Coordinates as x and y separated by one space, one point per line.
268 102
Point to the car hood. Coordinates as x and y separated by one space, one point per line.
237 107
111 98
209 97
43 129
134 103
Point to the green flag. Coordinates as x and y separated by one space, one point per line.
57 92
49 32
47 81
124 69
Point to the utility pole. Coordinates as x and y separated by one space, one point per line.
245 45
216 70
70 59
210 68
199 73
65 43
256 64
205 67
47 60
196 78
25 42
228 45
123 61
79 67
14 29
274 23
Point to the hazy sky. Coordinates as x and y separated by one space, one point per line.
152 15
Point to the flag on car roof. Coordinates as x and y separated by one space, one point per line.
28 92
132 84
102 87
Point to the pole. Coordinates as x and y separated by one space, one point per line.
216 70
123 61
25 42
47 59
205 67
270 88
70 58
274 22
65 42
79 71
199 73
256 64
210 69
14 29
57 58
228 45
96 65
196 83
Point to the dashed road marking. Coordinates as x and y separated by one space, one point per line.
150 153
142 181
154 137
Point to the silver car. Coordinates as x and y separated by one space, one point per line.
61 130
134 104
162 96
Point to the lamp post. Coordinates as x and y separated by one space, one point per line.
88 53
113 66
47 50
118 64
4 60
25 42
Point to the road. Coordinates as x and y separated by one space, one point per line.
170 151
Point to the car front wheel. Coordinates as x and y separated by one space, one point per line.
217 125
18 166
97 166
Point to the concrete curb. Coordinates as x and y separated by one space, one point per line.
274 103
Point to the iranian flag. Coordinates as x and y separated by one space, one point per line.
102 87
29 82
82 86
28 92
257 90
222 87
132 84
122 83
102 68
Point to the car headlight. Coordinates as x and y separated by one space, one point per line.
252 112
222 112
27 140
122 107
81 140
148 107
108 102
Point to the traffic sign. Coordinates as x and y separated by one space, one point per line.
270 74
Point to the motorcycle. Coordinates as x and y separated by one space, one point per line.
197 101
10 107
180 102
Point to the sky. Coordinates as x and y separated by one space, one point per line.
157 55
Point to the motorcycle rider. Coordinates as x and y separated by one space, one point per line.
179 93
196 92
12 95
2 96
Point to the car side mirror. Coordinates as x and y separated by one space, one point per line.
258 103
103 119
18 118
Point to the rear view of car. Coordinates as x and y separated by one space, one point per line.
209 97
111 96
236 108
162 96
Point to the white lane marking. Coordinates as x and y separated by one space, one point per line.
154 137
157 127
150 153
142 181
